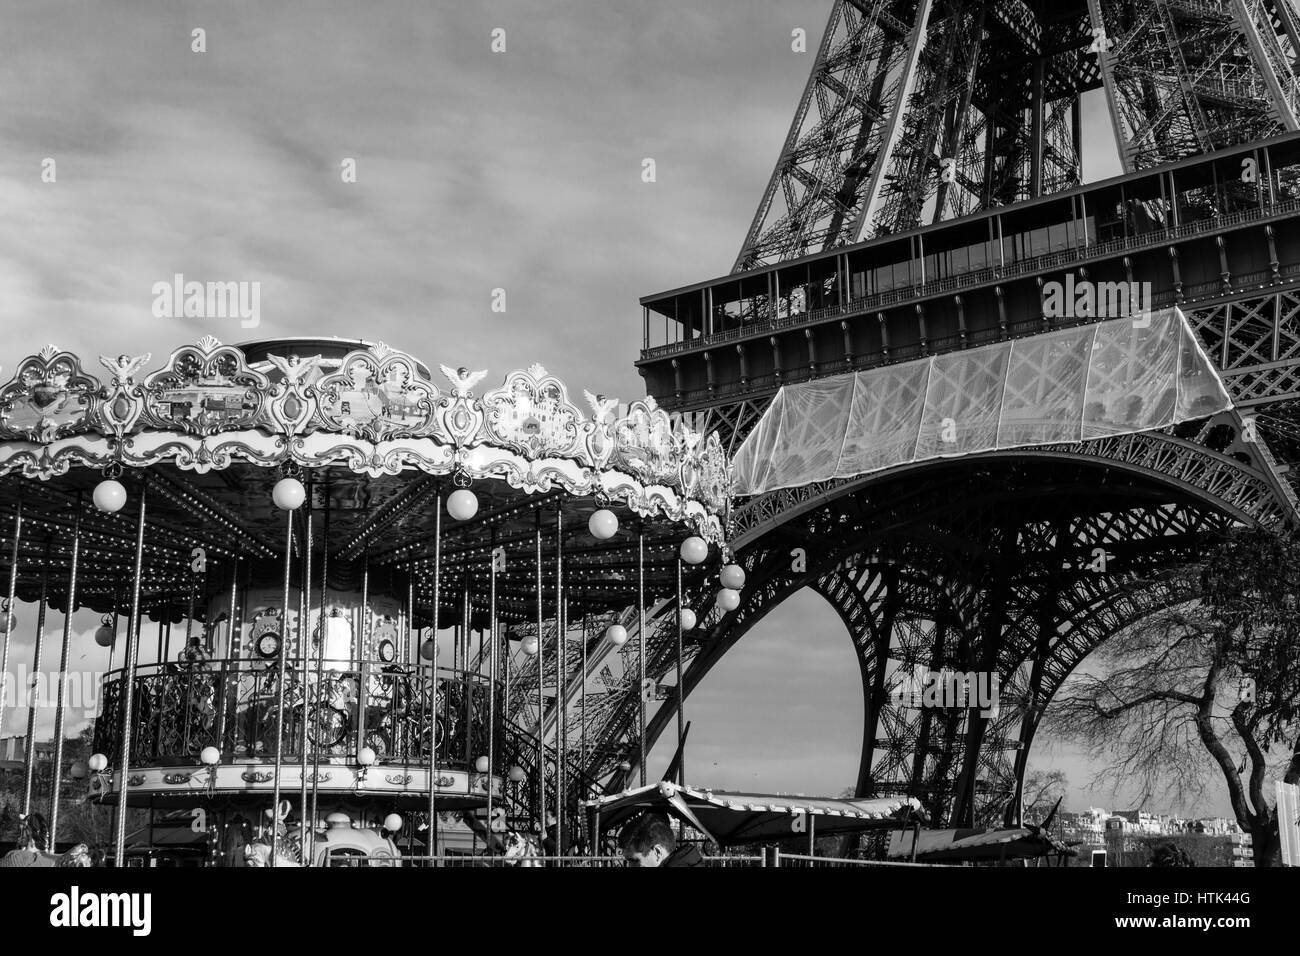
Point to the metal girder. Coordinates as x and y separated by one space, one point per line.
894 564
843 129
922 111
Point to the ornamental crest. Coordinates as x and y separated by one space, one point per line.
48 398
645 444
531 414
377 394
205 389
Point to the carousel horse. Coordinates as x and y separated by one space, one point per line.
520 850
258 853
288 850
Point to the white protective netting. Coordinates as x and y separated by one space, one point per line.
1110 378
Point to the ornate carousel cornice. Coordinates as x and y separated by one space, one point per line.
377 413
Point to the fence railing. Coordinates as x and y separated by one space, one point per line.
1081 253
402 713
775 858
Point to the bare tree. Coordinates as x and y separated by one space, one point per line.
1042 790
1215 674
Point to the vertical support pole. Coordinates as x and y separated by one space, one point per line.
559 684
361 639
1036 130
582 709
493 653
304 642
470 757
432 834
541 692
29 763
9 610
128 682
282 664
640 610
679 691
320 666
57 769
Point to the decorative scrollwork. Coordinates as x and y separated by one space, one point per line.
375 413
257 776
177 778
531 414
646 444
377 394
49 397
205 389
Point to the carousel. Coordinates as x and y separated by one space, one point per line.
350 611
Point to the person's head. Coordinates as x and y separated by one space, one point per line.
646 840
32 831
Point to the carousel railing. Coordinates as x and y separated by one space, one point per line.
179 709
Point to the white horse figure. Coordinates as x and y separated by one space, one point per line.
520 849
258 854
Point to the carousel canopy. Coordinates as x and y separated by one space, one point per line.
376 438
974 845
1109 378
730 818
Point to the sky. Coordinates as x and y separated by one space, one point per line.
475 171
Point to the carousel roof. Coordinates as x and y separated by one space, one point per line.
374 435
729 818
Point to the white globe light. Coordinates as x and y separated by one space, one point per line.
393 822
733 576
688 619
603 524
78 771
462 504
728 599
617 634
481 765
109 495
210 756
105 635
694 550
517 775
530 646
429 650
365 756
288 494
98 763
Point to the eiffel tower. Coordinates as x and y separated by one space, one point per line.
928 193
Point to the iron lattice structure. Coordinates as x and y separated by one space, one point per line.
921 111
932 139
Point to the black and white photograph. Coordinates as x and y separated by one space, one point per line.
843 435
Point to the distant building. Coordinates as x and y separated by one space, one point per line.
1242 847
1087 826
13 752
1138 821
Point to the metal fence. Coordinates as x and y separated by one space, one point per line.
774 858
